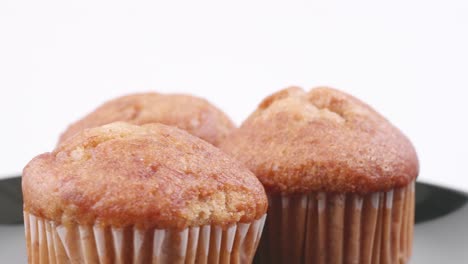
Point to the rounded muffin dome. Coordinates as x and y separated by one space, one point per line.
150 176
322 140
193 114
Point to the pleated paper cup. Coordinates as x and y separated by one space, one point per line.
339 228
49 242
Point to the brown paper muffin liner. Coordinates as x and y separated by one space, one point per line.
339 228
49 242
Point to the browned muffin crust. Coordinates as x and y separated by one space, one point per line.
150 176
322 140
190 113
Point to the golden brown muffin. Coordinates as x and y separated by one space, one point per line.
339 178
322 140
123 193
190 113
153 175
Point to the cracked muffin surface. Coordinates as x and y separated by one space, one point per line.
322 140
193 114
151 176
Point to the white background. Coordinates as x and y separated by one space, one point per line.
409 59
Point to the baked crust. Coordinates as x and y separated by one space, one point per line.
149 176
190 113
322 140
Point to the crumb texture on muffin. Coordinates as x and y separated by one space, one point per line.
151 176
190 113
322 140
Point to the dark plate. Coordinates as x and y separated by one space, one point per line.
441 230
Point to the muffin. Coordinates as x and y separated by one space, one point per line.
190 113
123 193
339 178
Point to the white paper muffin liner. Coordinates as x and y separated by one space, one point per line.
49 242
339 228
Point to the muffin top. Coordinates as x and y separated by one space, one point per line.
193 114
322 140
148 176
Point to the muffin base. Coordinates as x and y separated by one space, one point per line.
339 228
49 242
